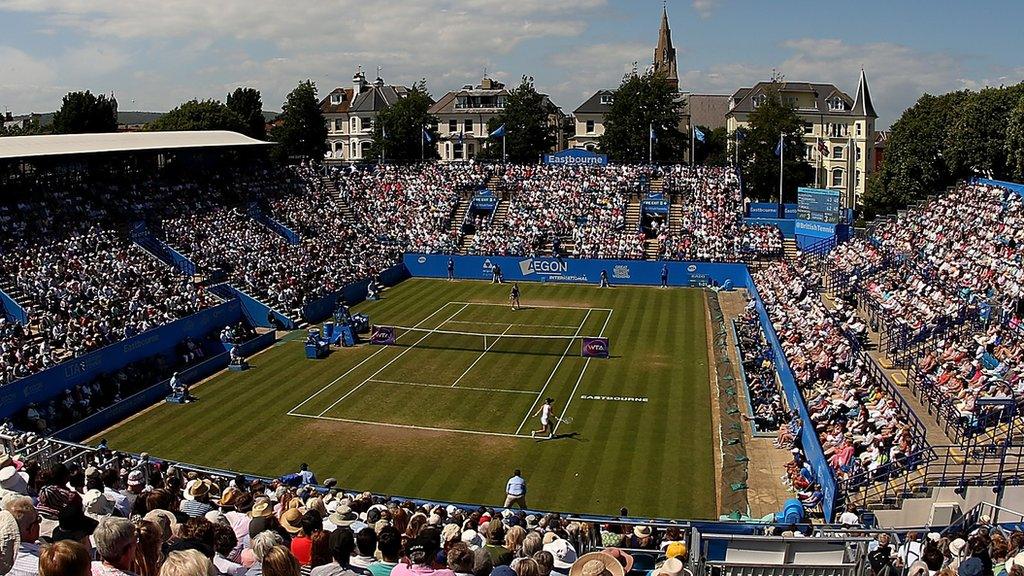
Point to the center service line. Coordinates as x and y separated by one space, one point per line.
486 350
572 394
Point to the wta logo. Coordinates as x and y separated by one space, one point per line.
544 267
596 348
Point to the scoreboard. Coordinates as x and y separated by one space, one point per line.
818 205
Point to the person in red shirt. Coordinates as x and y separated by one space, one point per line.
302 544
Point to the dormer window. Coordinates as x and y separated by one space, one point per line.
759 99
836 103
607 99
336 99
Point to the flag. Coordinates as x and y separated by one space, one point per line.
698 133
426 136
779 147
822 148
460 137
654 137
499 132
383 132
740 135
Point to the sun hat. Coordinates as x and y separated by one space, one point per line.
261 509
342 516
10 541
676 550
290 520
243 503
73 524
623 558
97 505
563 553
472 539
671 567
641 531
164 519
13 480
229 497
596 564
198 489
136 478
956 547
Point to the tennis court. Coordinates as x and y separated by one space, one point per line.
471 367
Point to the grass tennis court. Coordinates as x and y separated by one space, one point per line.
446 412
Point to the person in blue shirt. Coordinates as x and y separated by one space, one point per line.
664 275
451 269
307 476
515 490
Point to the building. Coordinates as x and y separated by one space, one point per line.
706 110
462 117
839 131
350 114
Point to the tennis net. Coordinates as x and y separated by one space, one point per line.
498 342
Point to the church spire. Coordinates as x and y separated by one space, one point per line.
862 103
665 53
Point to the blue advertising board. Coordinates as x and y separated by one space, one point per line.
818 204
763 210
576 157
485 200
579 271
789 211
814 228
654 203
1013 186
12 309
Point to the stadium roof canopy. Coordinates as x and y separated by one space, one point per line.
13 147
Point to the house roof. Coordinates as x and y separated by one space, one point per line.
708 110
376 98
327 108
593 104
742 99
862 105
69 144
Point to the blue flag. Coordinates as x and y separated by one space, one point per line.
426 136
499 132
460 137
654 137
778 147
698 133
740 135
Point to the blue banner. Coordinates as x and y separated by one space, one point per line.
789 211
12 309
818 204
654 203
763 210
576 157
158 341
318 310
814 228
485 200
1014 186
624 272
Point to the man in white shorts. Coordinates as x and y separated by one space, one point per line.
545 419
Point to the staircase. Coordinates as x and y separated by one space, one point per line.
18 296
633 216
652 247
347 215
790 249
330 186
493 183
500 214
675 218
459 216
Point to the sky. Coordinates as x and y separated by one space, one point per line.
155 54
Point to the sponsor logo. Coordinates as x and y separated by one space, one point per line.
422 260
597 347
382 335
615 398
488 265
140 342
691 268
82 366
543 267
33 389
621 271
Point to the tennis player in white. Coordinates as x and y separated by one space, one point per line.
545 419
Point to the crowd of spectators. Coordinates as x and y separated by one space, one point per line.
983 550
712 218
769 410
860 425
115 514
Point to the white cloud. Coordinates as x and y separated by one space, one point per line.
25 80
705 7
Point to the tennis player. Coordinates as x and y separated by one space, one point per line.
513 296
545 419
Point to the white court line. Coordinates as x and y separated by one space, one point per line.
513 324
390 362
486 350
530 392
367 359
552 375
411 427
538 306
572 394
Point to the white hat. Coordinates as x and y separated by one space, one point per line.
12 480
10 541
563 552
672 567
97 505
472 538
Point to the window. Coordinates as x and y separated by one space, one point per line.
467 126
354 152
808 127
791 101
837 177
335 99
837 152
453 126
858 129
470 150
836 103
856 179
364 149
759 99
858 152
590 147
457 151
355 124
590 126
808 151
339 126
607 99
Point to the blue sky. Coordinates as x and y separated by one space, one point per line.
153 54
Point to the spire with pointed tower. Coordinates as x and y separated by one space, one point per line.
862 103
665 53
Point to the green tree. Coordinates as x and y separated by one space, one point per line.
528 131
759 163
31 128
1015 142
714 150
975 142
642 103
198 115
301 132
248 105
398 131
83 112
914 164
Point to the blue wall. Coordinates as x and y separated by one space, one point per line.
786 226
254 310
13 309
635 272
1016 187
158 341
352 293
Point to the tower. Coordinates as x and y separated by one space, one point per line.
665 53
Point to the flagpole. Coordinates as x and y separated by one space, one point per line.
782 154
504 158
423 134
693 146
817 161
650 143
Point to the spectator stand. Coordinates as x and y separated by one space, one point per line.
141 235
257 213
11 310
763 399
256 312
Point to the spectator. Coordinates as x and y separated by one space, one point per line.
187 563
27 560
115 545
64 558
389 543
279 561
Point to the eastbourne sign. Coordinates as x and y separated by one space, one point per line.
576 157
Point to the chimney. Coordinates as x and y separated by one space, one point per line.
358 81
